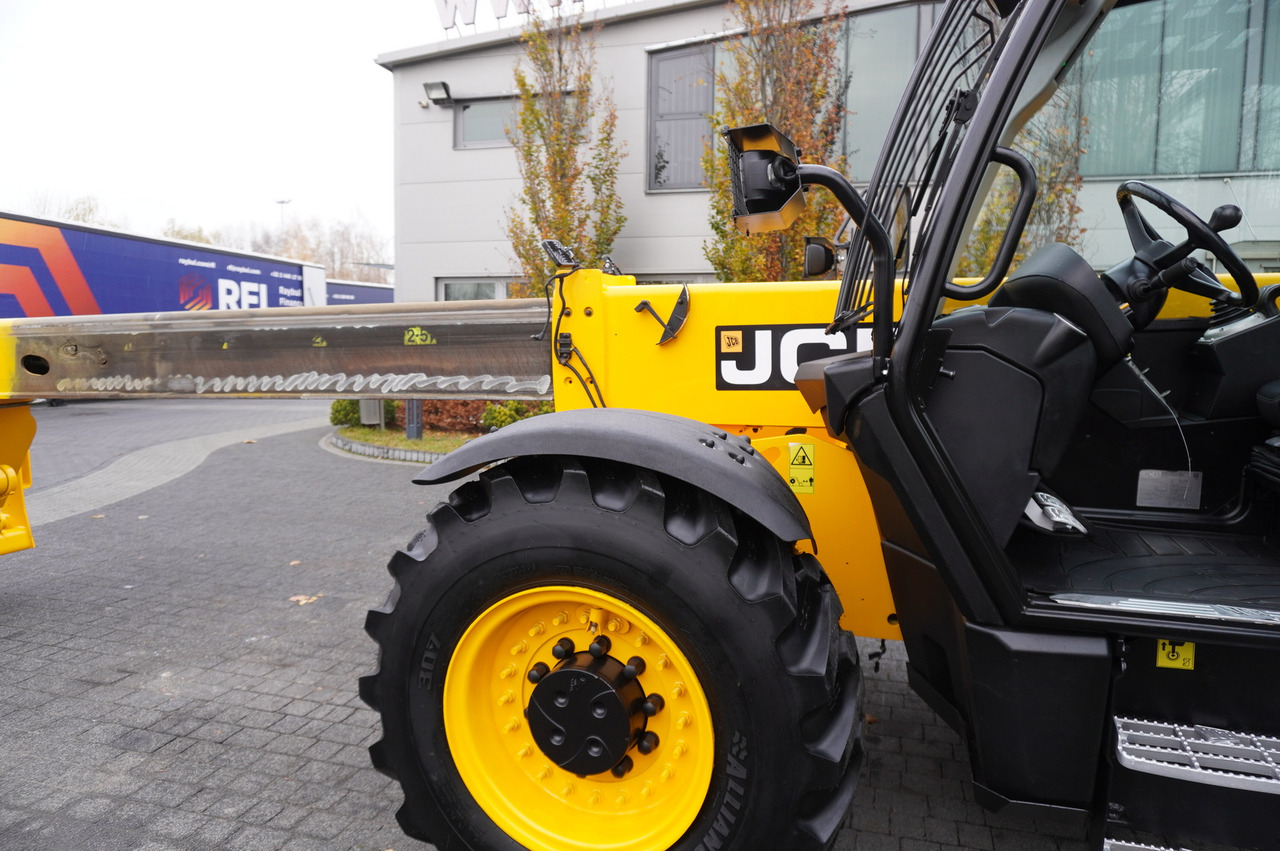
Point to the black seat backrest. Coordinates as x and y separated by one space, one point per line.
1058 280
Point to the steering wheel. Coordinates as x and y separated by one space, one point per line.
1150 248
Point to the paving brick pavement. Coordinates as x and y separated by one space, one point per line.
160 689
80 438
178 671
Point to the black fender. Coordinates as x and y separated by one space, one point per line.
723 465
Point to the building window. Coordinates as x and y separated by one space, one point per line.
681 100
470 289
1268 124
483 123
1183 88
880 51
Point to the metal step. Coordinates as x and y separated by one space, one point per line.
1118 845
1200 754
1170 608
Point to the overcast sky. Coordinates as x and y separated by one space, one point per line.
207 113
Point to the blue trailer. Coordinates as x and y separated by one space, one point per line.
51 268
360 292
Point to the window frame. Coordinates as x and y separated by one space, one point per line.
459 113
1245 131
706 47
501 286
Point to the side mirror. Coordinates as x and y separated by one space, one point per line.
819 256
763 172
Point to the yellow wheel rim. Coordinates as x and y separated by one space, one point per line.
537 803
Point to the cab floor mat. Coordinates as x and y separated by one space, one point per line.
1161 565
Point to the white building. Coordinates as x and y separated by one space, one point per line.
456 173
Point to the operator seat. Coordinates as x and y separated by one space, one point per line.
1058 280
1015 378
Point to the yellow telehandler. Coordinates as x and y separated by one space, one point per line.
631 625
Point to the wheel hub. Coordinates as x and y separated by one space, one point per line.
587 713
651 777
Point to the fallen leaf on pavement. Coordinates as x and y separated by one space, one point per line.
303 599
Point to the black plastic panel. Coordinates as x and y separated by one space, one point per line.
1231 687
1231 369
1012 388
1038 704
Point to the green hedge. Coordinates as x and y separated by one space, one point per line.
499 414
346 412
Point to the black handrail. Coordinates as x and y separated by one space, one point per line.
881 251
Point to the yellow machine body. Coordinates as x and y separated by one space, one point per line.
619 355
724 356
614 347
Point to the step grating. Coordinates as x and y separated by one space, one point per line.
1118 845
1200 754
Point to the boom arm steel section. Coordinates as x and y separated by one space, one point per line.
461 350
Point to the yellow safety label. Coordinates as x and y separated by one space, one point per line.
1176 654
800 467
418 337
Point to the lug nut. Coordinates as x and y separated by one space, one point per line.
538 671
648 743
564 648
600 647
653 704
634 668
620 770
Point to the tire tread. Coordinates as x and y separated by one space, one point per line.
784 592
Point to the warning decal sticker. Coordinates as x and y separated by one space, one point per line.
1176 654
800 467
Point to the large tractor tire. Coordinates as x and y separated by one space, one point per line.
581 654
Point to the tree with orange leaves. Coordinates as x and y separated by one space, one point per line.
782 69
565 145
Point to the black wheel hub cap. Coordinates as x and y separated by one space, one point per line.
587 713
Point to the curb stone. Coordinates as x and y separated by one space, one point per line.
386 453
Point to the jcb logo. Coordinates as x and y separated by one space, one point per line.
766 357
